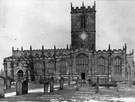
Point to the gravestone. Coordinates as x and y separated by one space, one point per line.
61 83
90 82
8 83
46 84
97 85
69 80
77 84
25 87
19 87
118 86
1 87
51 84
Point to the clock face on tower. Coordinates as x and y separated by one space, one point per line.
83 35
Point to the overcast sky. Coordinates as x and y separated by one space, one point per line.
48 23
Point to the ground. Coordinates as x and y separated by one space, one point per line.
70 94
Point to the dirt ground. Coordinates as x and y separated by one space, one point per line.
84 94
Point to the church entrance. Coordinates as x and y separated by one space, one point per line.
82 65
20 75
83 76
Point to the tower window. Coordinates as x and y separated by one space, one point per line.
83 23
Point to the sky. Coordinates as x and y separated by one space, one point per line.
48 23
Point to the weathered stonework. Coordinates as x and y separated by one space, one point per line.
80 60
88 14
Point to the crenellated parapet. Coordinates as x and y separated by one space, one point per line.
61 52
118 51
110 53
101 51
83 9
38 53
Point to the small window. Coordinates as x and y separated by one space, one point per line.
20 74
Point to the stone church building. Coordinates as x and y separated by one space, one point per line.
79 59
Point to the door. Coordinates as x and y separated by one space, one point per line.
83 76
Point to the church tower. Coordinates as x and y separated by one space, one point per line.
83 27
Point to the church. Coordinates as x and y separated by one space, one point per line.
78 59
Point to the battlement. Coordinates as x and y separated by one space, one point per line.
38 52
118 51
83 9
101 51
110 51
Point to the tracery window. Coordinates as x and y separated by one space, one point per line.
118 65
101 65
50 67
63 67
82 62
38 68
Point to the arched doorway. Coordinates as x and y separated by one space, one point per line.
82 65
83 76
20 74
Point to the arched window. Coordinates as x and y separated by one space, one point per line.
83 22
20 74
50 67
38 68
63 67
82 62
101 65
118 65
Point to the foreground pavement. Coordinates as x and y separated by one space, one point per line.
69 94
